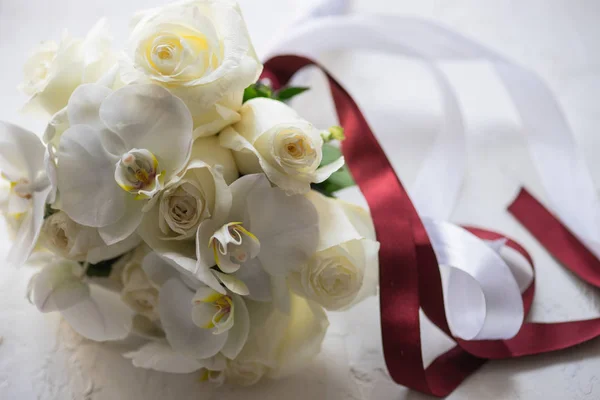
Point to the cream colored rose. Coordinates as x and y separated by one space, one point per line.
344 270
199 193
201 51
273 139
68 239
139 292
55 70
59 235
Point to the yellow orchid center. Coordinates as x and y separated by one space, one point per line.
137 173
213 310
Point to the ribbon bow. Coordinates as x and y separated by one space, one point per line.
409 271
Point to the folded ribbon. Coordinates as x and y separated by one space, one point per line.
409 271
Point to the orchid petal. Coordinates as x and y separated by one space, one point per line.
287 227
202 315
157 269
107 252
240 189
89 193
232 283
56 287
150 117
84 105
124 227
100 317
238 334
159 356
52 172
21 152
180 254
29 231
257 280
175 308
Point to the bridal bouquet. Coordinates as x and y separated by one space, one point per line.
176 197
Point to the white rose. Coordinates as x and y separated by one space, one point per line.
55 70
279 343
344 270
200 192
139 292
68 239
273 139
59 234
201 51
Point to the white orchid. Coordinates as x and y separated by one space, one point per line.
344 270
201 51
55 70
92 310
272 138
264 237
119 150
198 321
278 345
22 165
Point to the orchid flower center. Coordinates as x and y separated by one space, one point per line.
213 310
22 188
137 172
232 246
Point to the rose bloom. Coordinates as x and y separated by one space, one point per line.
272 138
201 51
344 269
55 70
139 292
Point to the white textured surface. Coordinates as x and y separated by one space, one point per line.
40 357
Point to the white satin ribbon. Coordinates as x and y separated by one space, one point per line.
447 156
482 297
481 300
564 175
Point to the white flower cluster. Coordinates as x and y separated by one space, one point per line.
175 212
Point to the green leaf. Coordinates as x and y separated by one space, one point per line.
101 269
287 93
48 211
330 154
257 90
339 180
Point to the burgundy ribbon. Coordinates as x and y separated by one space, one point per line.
409 277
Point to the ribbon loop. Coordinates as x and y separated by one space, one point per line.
409 272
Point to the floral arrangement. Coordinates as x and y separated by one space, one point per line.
176 197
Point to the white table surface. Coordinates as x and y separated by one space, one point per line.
41 358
